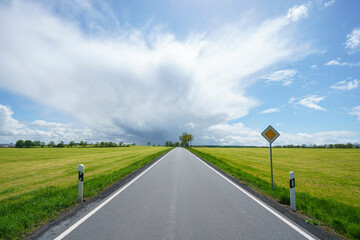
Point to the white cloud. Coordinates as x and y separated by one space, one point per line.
48 125
284 76
309 102
356 111
297 12
338 62
7 124
329 3
270 110
314 66
138 83
317 138
353 41
238 134
346 85
12 130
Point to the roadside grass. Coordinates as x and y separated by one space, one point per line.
23 212
343 217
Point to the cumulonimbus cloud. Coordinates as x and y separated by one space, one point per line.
139 83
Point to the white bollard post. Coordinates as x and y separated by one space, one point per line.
292 191
80 168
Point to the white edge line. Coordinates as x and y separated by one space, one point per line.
75 225
299 230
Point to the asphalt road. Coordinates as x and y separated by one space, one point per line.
180 197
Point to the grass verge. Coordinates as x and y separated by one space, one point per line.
22 214
343 218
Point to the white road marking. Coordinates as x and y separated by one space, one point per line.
75 225
299 230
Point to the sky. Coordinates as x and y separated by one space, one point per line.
139 71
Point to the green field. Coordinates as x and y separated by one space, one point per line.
327 180
37 183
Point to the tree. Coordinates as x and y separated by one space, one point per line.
60 144
36 143
149 143
27 143
120 144
190 138
71 143
19 144
185 139
51 144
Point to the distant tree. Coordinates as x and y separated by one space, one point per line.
51 144
19 144
158 145
177 144
349 145
84 144
134 144
153 145
149 143
27 143
36 143
120 144
97 144
71 143
185 139
190 139
60 144
42 144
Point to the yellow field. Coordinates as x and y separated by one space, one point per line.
329 173
24 170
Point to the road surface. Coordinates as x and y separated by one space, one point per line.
181 197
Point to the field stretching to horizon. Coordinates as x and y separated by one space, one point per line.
329 173
37 183
327 180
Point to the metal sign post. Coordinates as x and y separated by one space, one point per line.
80 169
270 134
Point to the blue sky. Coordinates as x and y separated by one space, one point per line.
139 71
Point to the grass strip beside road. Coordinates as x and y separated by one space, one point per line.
344 218
23 213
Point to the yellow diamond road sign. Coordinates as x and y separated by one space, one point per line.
270 134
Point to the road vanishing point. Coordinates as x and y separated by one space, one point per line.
180 197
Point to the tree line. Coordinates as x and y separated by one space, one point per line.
61 144
336 145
